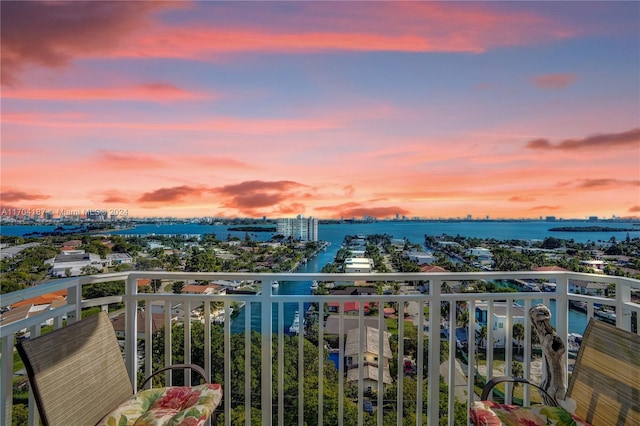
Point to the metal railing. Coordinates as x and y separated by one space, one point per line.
410 329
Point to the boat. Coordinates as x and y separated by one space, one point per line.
295 326
314 285
573 342
606 315
275 284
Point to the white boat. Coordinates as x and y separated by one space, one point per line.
295 326
314 285
275 284
573 342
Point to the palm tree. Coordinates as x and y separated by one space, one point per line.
155 285
518 333
463 318
482 336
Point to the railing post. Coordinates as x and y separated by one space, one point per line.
131 329
433 380
6 390
74 297
623 295
267 351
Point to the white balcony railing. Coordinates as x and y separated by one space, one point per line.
272 401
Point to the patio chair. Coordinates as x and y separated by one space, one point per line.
78 377
604 386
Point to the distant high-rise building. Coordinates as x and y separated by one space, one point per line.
550 218
298 228
593 218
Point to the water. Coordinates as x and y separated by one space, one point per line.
412 231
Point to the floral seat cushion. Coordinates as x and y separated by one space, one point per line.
489 413
175 405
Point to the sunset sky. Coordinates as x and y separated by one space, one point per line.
325 109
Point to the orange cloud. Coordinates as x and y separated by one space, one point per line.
634 209
554 81
171 195
115 199
545 208
520 199
155 92
13 196
630 138
607 183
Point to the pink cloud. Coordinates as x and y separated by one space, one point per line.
554 81
129 160
251 196
65 30
627 139
217 124
356 209
154 92
70 30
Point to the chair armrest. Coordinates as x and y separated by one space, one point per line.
486 390
193 367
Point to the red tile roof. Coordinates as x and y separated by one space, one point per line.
45 299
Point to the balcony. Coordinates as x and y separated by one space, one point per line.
315 387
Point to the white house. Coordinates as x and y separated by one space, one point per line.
72 263
499 314
372 357
358 264
114 259
596 266
421 257
483 255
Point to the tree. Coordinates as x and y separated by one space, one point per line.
517 370
177 287
155 285
518 334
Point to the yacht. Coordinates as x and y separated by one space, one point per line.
314 285
275 284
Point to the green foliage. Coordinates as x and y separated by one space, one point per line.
20 415
289 375
110 288
95 245
27 268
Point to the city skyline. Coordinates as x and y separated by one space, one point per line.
325 109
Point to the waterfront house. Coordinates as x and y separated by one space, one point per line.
421 257
367 356
591 288
358 264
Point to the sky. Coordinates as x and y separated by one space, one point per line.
323 109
